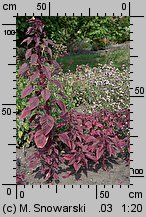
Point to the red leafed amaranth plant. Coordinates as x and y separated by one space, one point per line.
77 140
95 139
39 68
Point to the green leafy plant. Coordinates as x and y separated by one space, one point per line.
68 30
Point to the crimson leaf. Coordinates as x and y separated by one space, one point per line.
77 166
111 150
23 69
51 42
29 30
67 157
45 94
91 139
26 111
28 40
34 58
61 105
91 157
99 125
28 53
48 175
47 123
34 76
63 95
88 124
57 83
37 41
40 139
33 102
26 91
50 52
46 71
99 153
63 137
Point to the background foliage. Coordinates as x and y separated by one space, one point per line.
91 31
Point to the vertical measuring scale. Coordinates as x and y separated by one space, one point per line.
72 200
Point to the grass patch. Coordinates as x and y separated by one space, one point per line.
119 57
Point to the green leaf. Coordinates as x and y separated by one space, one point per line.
20 133
26 126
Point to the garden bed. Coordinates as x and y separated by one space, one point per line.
73 118
117 173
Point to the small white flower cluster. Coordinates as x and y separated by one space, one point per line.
100 87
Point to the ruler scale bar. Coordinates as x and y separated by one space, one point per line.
9 24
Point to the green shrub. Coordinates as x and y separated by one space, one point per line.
69 30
